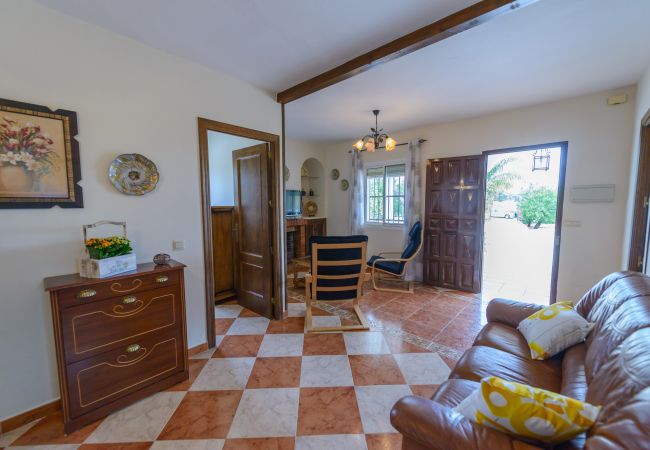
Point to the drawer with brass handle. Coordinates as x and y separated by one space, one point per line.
117 339
113 323
108 376
87 293
117 287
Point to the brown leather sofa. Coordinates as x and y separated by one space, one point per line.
611 368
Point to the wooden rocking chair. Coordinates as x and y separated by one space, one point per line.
337 274
395 268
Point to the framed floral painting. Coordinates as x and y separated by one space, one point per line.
39 157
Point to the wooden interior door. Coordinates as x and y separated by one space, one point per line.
253 229
453 238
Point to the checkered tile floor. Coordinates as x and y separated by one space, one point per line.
268 385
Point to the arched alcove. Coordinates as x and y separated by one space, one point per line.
312 183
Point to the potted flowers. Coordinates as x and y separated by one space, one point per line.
25 156
106 256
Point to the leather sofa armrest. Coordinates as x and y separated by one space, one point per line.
438 427
510 312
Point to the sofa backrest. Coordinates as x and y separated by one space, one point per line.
617 306
617 358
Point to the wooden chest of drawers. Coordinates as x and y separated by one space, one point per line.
117 339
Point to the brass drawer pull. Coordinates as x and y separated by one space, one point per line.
128 300
133 348
87 293
162 279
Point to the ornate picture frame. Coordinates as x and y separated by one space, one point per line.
39 157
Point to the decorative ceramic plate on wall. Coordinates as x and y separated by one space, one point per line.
345 184
335 174
133 174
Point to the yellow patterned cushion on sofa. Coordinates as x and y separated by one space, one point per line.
526 411
553 329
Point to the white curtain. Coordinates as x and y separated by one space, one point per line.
413 207
358 201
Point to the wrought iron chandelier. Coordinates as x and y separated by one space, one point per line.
376 140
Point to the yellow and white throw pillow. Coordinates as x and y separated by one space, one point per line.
525 411
553 329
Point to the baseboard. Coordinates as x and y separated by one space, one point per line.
31 415
46 409
197 349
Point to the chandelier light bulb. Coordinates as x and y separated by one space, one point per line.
359 145
390 144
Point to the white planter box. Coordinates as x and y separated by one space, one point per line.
102 268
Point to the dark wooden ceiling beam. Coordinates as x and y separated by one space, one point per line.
451 25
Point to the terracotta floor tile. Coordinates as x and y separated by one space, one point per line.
385 441
422 330
323 344
331 410
272 443
375 369
424 390
443 305
374 299
288 325
432 319
277 372
248 313
203 415
400 308
195 368
456 338
399 345
384 319
121 446
49 431
239 346
319 312
221 326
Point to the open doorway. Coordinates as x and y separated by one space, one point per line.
242 209
524 189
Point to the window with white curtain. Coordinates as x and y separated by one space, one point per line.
385 194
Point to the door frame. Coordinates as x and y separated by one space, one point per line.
277 246
637 258
564 149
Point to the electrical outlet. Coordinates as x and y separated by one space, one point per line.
178 245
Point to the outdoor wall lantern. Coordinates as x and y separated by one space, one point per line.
541 159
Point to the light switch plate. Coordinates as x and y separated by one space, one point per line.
178 245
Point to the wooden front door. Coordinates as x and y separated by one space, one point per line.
453 237
253 226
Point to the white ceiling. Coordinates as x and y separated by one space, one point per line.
547 51
272 44
550 50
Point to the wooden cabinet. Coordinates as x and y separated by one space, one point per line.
223 252
301 230
117 339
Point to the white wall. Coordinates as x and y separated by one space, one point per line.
220 148
296 153
642 108
129 98
600 139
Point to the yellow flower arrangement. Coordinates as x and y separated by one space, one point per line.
101 248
